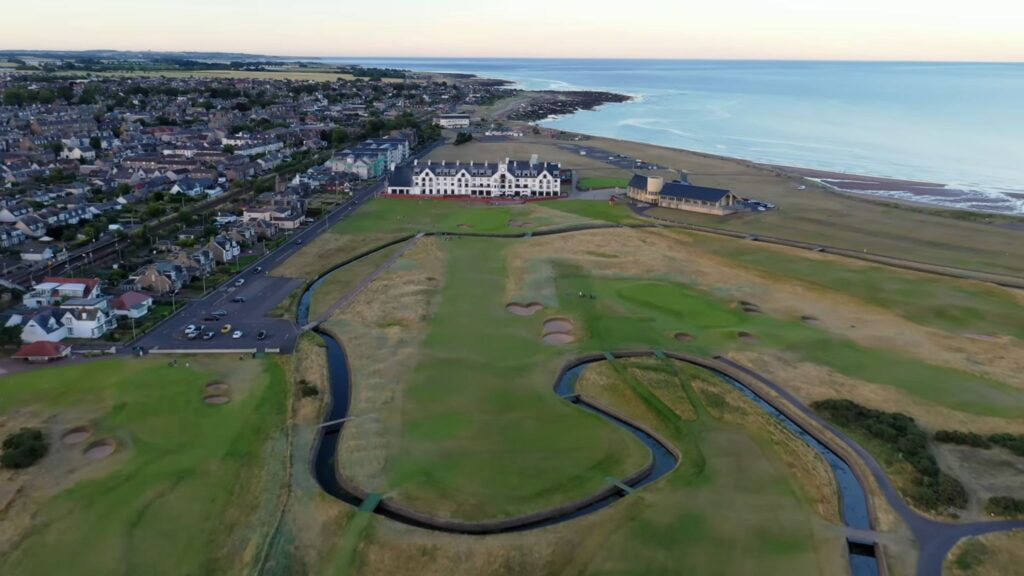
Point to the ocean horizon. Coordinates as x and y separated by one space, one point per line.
953 123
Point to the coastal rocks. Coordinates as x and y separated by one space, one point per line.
554 103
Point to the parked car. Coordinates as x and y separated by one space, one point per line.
191 335
237 334
298 241
220 313
262 335
225 329
211 318
257 269
208 335
238 300
190 328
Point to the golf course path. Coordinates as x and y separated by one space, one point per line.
935 538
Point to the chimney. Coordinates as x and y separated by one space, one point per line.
533 159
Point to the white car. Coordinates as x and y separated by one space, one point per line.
237 334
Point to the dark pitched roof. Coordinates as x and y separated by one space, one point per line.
41 349
639 182
401 178
689 192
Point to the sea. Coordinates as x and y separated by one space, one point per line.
960 125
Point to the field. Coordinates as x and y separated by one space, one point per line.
597 183
813 214
190 488
450 388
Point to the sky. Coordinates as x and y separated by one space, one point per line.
978 30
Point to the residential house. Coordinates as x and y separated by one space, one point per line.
54 289
133 305
87 317
10 236
161 277
44 326
224 249
14 213
32 226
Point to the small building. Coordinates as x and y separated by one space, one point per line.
133 305
679 195
453 120
42 351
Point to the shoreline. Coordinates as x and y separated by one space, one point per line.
936 196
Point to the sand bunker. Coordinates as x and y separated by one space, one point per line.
746 337
217 388
683 337
216 399
811 320
528 309
100 449
559 338
557 325
750 307
76 435
984 337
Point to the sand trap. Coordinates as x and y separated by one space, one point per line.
811 320
528 309
557 325
217 388
984 337
683 337
746 337
559 338
76 435
216 399
100 449
750 307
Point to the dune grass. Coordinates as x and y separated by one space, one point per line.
184 479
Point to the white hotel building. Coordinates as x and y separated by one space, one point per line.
508 179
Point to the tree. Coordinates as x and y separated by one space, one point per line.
56 148
24 448
228 149
96 142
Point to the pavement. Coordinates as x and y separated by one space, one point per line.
261 293
609 157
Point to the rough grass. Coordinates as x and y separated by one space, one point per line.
330 249
731 493
185 477
597 210
341 282
997 554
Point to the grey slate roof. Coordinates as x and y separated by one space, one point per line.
682 191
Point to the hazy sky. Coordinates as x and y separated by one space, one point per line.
800 29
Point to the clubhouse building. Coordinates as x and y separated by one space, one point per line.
681 195
508 179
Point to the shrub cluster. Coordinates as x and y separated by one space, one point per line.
1012 442
930 488
23 448
1005 506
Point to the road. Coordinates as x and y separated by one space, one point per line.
260 291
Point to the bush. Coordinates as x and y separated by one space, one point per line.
962 438
462 138
307 390
24 448
1005 506
929 488
1013 443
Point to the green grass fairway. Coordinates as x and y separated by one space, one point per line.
955 306
397 215
483 434
598 210
598 183
629 313
187 490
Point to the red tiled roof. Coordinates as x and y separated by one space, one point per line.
129 300
90 282
41 349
